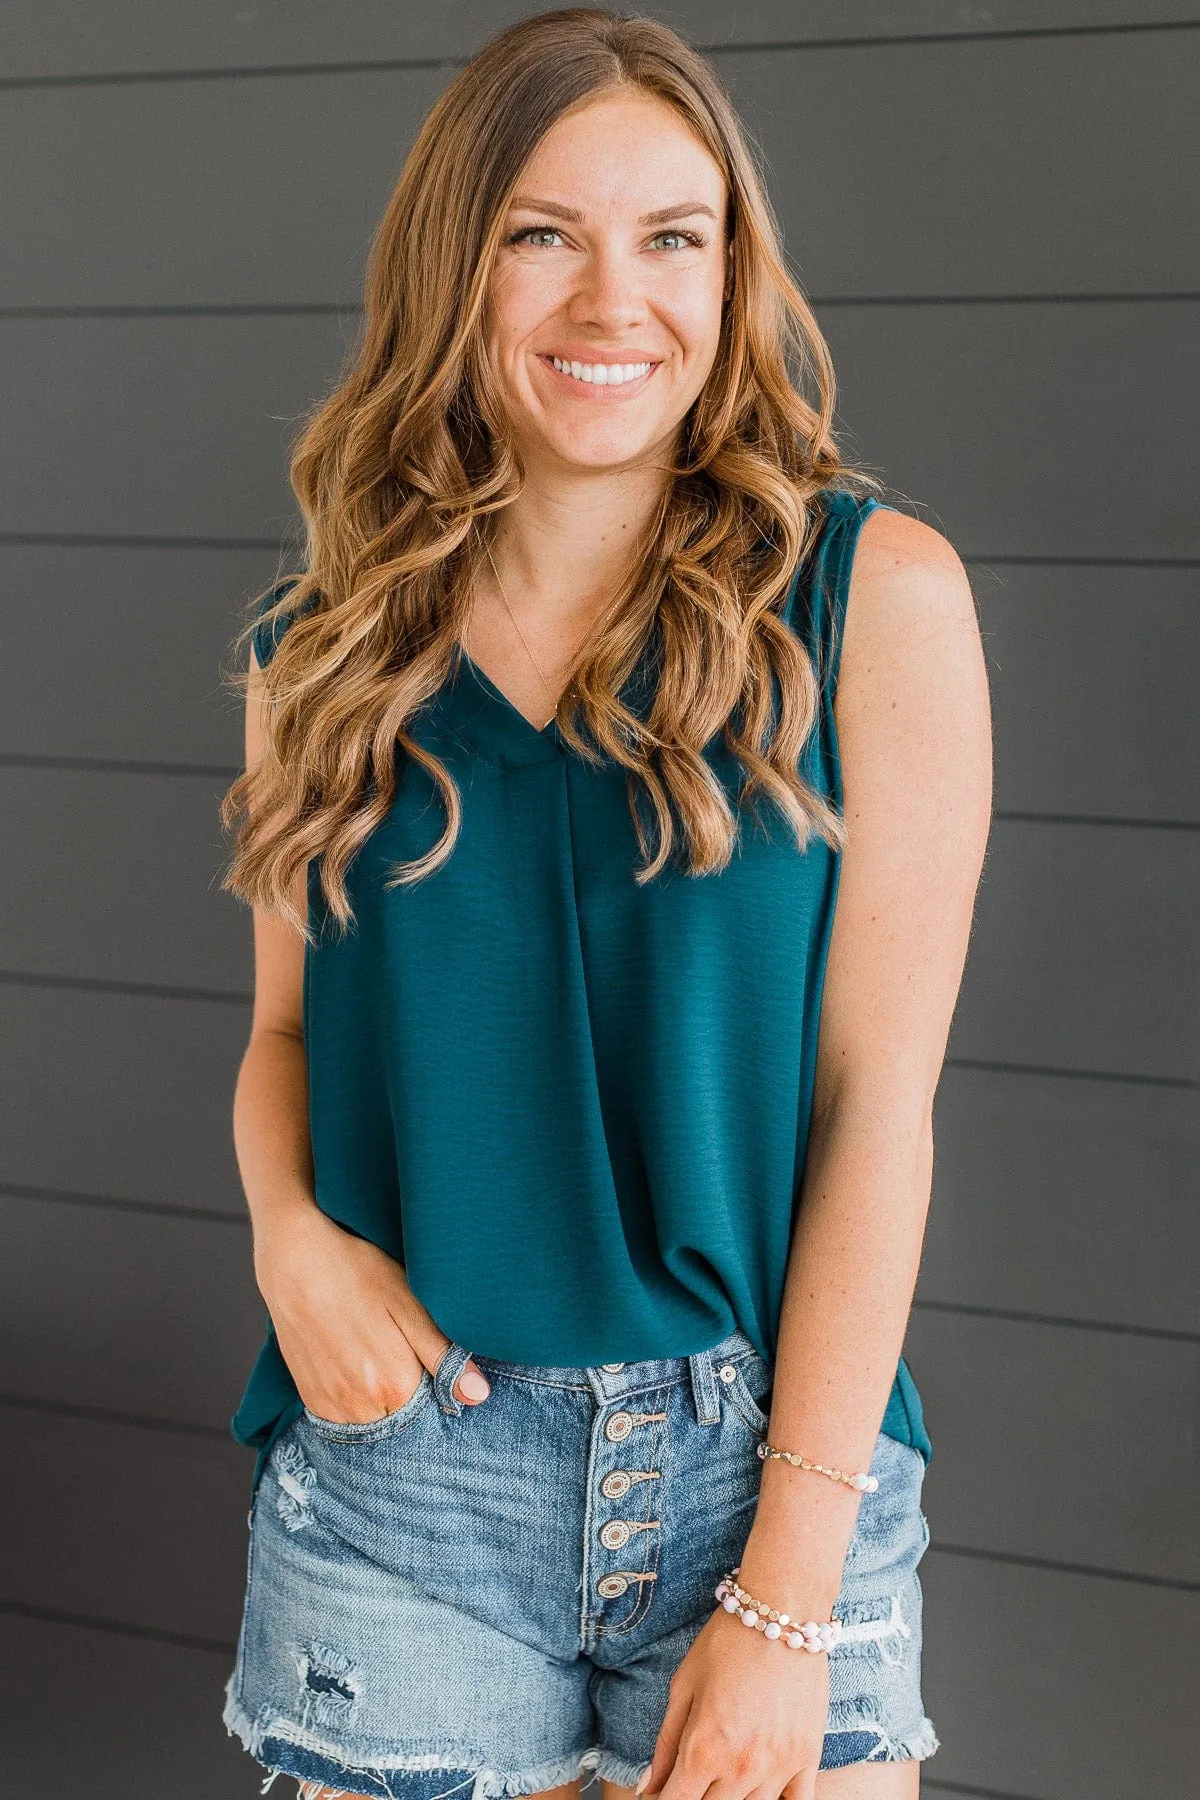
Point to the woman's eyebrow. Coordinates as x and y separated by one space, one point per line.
685 210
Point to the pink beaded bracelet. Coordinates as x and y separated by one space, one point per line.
767 1619
864 1483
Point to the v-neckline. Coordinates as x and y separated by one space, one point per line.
485 715
542 732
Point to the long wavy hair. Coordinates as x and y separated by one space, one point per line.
401 471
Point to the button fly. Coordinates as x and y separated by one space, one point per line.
612 1585
619 1427
614 1534
616 1485
612 1367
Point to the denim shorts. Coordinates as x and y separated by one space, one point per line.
490 1600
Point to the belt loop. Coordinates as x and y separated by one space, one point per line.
704 1388
454 1361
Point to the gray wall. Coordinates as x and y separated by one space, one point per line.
993 210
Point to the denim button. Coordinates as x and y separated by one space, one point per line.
727 1372
619 1427
612 1585
616 1485
612 1367
614 1534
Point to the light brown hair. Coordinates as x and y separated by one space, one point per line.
401 471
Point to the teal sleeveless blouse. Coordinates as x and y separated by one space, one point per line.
575 1109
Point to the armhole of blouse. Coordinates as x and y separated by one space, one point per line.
267 632
816 606
836 571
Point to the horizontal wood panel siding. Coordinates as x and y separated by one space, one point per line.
1098 919
1092 670
76 39
152 192
150 910
143 1718
1025 159
122 1097
1066 1197
1036 387
216 399
1085 954
156 1316
161 623
942 1792
1042 138
1094 675
1050 1443
139 1527
917 382
1027 1678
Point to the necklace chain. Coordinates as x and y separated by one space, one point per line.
529 653
533 659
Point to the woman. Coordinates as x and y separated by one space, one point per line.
562 1210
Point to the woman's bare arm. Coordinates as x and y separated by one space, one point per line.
914 734
350 1328
270 1108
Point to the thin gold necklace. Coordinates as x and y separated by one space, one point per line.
529 653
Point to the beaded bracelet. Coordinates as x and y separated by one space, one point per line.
809 1636
865 1484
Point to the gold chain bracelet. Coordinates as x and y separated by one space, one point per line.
863 1483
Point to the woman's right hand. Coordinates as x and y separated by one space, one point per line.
350 1328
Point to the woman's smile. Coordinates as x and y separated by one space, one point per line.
580 379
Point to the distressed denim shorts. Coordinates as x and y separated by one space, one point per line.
490 1600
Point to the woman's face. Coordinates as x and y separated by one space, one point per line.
586 273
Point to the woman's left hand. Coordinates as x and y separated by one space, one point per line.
744 1711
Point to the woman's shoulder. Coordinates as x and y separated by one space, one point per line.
913 671
906 580
891 539
882 531
865 553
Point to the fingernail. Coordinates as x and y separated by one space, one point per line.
473 1385
643 1778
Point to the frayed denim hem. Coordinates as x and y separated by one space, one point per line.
284 1748
864 1740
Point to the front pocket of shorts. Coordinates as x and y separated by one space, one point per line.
890 1526
373 1431
751 1386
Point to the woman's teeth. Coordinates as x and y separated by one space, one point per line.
602 374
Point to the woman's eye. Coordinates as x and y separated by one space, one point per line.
520 237
690 239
